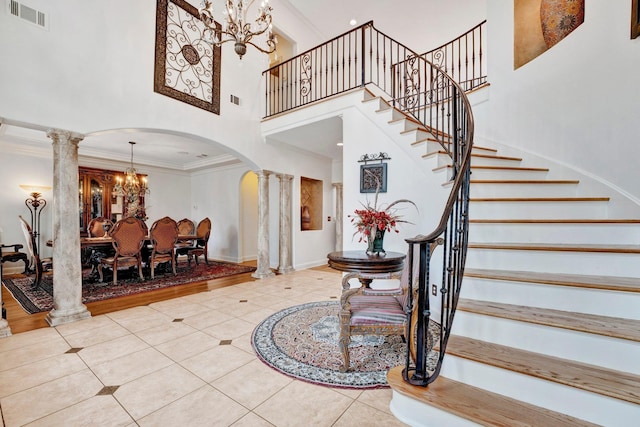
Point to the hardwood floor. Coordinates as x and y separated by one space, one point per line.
20 321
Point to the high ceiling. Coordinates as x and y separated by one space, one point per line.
326 19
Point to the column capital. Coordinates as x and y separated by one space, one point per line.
263 173
61 134
284 176
336 184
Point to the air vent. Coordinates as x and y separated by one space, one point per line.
235 100
29 14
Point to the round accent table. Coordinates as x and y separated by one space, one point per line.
360 262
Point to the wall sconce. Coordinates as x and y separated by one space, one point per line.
34 203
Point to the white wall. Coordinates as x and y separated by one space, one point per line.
575 103
249 217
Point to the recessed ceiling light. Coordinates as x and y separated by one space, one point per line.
353 22
339 144
184 153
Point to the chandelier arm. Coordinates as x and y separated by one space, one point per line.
272 47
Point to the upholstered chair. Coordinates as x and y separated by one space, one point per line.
366 311
164 235
202 242
185 227
129 235
99 226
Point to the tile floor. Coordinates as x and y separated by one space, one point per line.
181 362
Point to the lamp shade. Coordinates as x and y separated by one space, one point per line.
31 188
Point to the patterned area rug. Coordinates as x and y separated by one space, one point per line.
41 299
302 342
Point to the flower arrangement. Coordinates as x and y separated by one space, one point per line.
371 219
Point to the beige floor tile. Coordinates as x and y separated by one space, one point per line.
314 406
217 362
377 398
257 316
84 325
42 371
252 384
131 366
230 329
208 318
178 309
165 332
244 343
240 309
96 335
187 346
27 338
131 313
151 320
45 399
252 420
220 301
360 414
32 353
96 411
267 300
352 393
147 394
109 350
204 407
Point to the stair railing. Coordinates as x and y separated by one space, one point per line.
463 58
366 56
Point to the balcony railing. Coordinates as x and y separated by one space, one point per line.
422 89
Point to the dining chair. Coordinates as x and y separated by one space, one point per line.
38 265
185 227
202 242
164 235
99 226
129 236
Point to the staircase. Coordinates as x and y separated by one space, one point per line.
547 330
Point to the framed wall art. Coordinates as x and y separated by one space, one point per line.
635 18
187 65
373 173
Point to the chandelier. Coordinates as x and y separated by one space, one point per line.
236 28
132 189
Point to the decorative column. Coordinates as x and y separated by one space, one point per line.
67 268
263 270
339 215
284 266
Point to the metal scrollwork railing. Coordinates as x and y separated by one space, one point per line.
422 89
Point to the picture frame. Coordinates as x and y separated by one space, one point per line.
370 175
635 18
187 64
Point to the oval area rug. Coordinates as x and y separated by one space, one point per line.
302 342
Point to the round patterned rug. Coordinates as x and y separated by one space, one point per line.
302 342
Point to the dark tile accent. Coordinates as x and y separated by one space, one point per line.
225 342
74 350
108 390
288 287
177 320
333 297
243 300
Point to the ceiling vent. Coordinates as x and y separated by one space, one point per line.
29 14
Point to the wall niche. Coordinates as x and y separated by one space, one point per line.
310 204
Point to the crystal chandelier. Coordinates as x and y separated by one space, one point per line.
132 189
236 27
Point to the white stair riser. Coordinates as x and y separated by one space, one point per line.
444 159
557 397
418 414
523 190
508 174
537 210
620 234
402 125
599 264
434 146
565 298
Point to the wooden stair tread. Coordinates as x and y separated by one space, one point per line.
616 327
476 155
611 283
592 378
498 168
479 405
555 221
539 199
524 181
559 247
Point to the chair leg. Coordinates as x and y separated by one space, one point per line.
140 270
345 339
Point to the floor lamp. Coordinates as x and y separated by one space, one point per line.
35 205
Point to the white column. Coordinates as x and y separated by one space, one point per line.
339 215
67 268
285 266
263 270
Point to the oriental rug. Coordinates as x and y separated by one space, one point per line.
41 299
302 342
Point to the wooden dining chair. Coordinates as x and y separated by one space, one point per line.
164 235
99 226
185 227
129 235
202 242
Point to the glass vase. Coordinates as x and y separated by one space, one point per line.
375 242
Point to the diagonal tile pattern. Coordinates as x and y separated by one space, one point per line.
140 366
